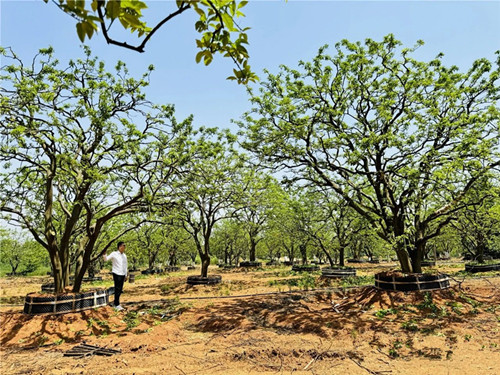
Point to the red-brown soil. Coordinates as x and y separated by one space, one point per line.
250 324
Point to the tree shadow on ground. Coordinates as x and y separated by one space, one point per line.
324 313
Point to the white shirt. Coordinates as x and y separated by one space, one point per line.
119 261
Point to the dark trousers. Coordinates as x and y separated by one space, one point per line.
119 280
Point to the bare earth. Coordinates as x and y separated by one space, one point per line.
252 324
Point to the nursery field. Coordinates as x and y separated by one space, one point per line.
263 321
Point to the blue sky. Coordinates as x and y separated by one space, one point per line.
281 33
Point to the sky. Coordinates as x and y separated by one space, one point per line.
281 33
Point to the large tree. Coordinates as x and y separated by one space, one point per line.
402 141
215 22
80 147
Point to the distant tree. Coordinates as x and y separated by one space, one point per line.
74 159
20 253
400 140
11 250
209 192
230 241
329 222
478 225
216 23
261 193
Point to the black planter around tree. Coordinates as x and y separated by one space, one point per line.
201 280
273 263
397 281
227 266
250 264
475 268
355 261
66 303
171 269
428 263
305 268
336 273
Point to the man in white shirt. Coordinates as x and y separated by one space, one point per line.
119 270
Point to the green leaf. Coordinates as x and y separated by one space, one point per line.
80 31
228 22
113 9
199 55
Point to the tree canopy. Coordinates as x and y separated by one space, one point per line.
80 147
402 141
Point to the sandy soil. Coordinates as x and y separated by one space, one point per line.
254 324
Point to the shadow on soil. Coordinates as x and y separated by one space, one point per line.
324 314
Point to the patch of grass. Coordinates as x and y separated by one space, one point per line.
131 319
166 288
409 326
384 312
42 340
90 323
393 350
307 281
428 304
455 307
102 323
357 281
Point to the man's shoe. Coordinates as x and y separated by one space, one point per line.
118 308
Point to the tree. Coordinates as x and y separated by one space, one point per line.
209 192
229 241
73 158
329 222
261 193
400 140
478 225
22 255
219 31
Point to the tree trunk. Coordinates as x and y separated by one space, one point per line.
326 253
205 262
303 253
342 256
152 260
253 246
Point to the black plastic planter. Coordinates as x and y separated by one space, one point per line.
355 261
474 268
171 269
411 282
428 263
250 264
335 273
305 268
228 266
273 263
66 303
200 280
49 288
87 279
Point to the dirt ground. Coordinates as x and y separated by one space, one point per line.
255 323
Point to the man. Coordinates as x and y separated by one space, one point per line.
119 270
